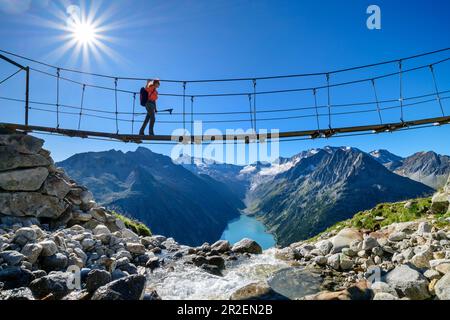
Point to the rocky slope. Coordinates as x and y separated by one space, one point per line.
322 187
150 187
428 168
57 243
400 260
388 159
62 245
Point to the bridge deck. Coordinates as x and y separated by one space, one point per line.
322 133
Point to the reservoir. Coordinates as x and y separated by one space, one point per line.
248 227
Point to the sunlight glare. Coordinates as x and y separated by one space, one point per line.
84 33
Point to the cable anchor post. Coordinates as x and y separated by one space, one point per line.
254 105
327 75
133 114
400 67
192 118
116 103
184 107
58 75
317 109
81 105
438 97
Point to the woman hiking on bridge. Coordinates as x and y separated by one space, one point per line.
151 93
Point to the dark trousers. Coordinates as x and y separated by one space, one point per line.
151 109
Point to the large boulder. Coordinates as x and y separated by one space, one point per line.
55 283
344 238
257 291
97 278
22 143
408 283
11 257
32 204
221 246
127 288
24 179
441 200
11 159
15 277
247 245
56 186
442 287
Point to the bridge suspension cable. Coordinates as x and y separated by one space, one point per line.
326 90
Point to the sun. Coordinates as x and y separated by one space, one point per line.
84 33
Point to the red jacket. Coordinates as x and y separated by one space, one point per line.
152 93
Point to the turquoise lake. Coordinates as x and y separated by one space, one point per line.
248 227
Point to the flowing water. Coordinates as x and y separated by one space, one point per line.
248 227
182 281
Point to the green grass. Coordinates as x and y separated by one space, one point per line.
385 214
133 224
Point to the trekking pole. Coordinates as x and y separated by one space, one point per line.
166 110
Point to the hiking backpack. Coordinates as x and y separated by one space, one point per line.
144 96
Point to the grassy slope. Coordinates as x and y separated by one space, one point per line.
135 225
387 213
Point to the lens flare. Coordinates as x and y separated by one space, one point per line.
84 33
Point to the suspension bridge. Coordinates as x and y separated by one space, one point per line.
396 95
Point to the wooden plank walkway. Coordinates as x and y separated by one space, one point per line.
323 133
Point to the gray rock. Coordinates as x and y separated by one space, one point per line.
345 263
408 282
55 283
129 268
11 159
324 246
128 288
22 143
96 279
118 274
135 248
31 204
442 288
15 277
334 261
422 257
247 246
379 286
49 248
152 263
320 260
55 262
23 179
212 269
369 243
24 235
101 229
344 238
424 228
221 246
384 296
12 257
216 261
257 291
152 295
31 251
56 186
87 243
397 236
16 294
431 274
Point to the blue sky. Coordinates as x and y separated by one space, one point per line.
221 39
